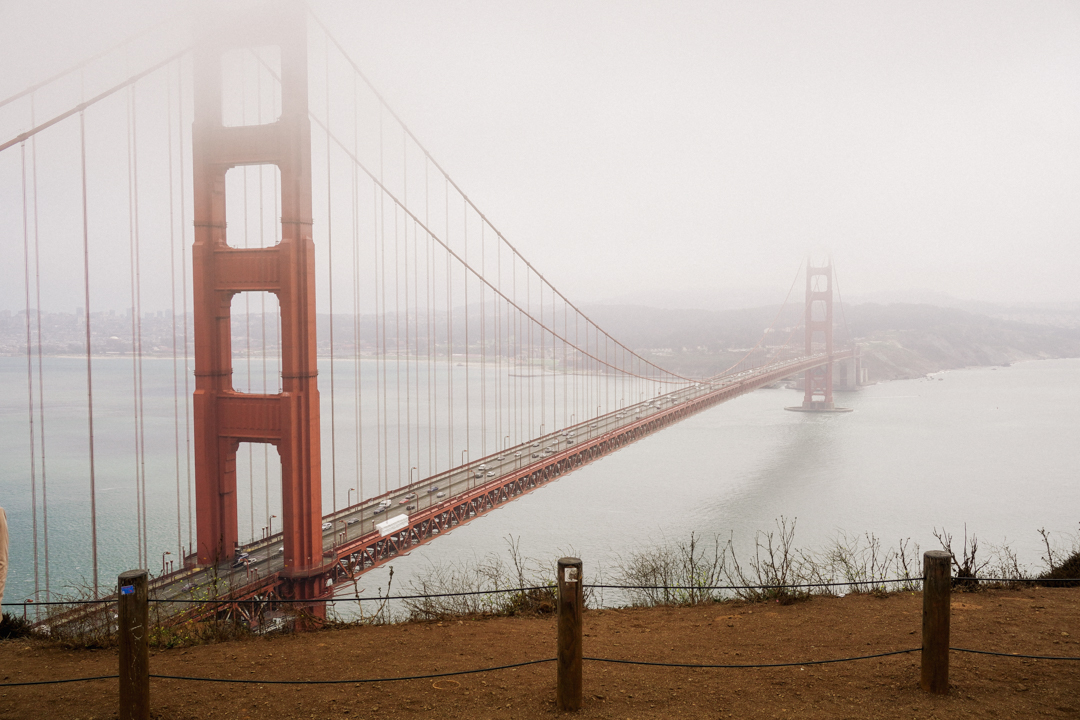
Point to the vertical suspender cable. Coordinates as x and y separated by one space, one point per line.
544 332
554 366
262 301
29 370
138 322
356 305
416 340
247 314
429 325
496 305
134 344
465 282
451 458
380 284
183 300
528 352
358 392
89 363
172 315
330 262
380 424
397 342
408 395
483 348
41 369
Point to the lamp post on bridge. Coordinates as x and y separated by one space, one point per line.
163 561
348 498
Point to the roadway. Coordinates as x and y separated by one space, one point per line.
260 560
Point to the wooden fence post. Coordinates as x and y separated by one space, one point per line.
134 631
570 601
937 586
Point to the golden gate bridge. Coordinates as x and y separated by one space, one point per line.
255 171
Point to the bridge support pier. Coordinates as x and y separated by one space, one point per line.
224 417
818 324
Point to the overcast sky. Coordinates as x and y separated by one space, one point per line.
692 153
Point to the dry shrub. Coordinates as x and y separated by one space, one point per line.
491 573
1063 564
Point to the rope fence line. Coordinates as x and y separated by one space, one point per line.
618 661
245 681
938 587
1014 655
58 682
754 665
603 586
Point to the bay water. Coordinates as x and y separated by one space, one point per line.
992 449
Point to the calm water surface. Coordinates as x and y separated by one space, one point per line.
992 448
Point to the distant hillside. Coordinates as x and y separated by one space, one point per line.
898 340
901 341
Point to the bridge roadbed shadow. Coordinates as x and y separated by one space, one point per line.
1038 621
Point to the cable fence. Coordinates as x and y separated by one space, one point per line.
111 600
132 606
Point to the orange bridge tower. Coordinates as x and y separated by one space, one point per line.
818 328
224 417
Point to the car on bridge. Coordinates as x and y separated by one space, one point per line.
433 488
327 526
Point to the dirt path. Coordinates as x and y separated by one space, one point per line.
1039 621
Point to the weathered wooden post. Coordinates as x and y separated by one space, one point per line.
134 631
570 601
937 581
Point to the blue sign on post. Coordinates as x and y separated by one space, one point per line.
127 589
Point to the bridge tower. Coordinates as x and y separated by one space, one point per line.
818 324
224 417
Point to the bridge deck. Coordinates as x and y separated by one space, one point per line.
353 545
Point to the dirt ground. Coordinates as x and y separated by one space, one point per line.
1038 622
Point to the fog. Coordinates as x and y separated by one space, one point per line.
691 154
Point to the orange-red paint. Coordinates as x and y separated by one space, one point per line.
224 417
